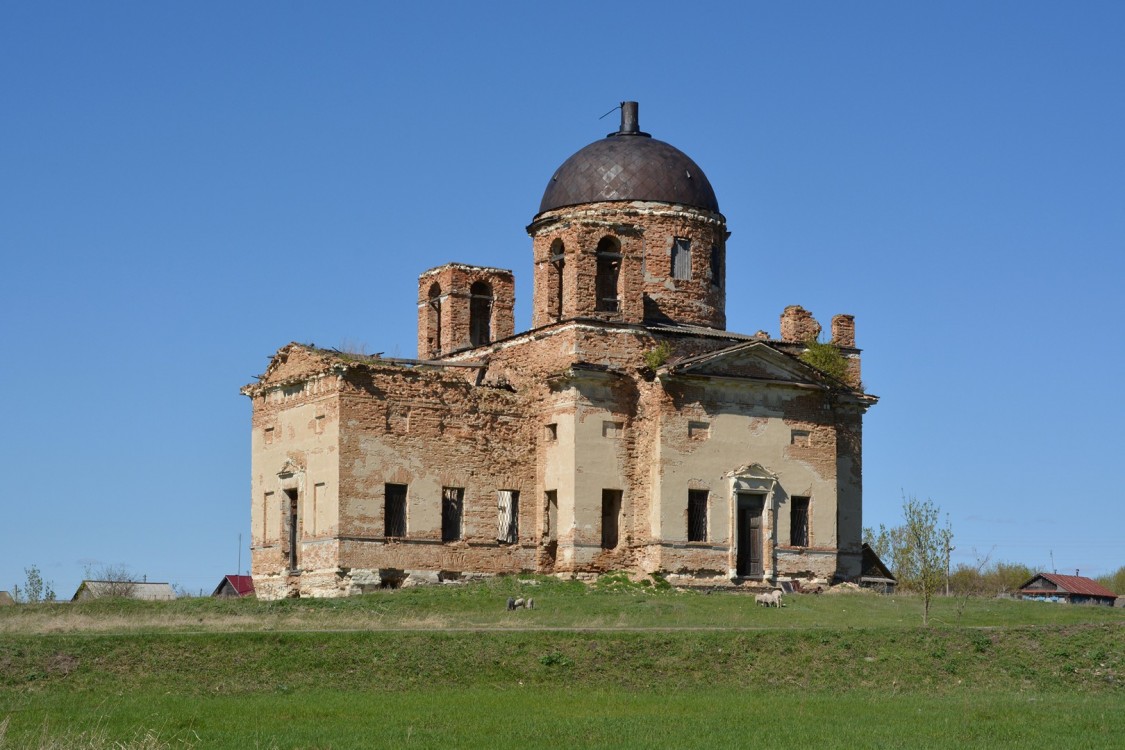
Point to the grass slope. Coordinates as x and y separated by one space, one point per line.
620 665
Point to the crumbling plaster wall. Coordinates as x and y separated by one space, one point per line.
479 423
710 429
294 446
849 490
429 429
646 462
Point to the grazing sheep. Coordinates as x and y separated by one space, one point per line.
514 604
772 599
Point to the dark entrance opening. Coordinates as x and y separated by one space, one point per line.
749 528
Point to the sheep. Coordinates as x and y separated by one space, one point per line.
771 599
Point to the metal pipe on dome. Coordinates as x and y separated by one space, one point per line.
630 124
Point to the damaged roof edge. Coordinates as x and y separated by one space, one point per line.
339 361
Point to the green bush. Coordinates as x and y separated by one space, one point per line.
828 359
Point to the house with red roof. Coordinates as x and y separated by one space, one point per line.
1073 589
235 585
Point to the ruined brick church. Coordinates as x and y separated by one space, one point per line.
626 430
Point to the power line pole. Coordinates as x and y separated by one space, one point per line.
948 549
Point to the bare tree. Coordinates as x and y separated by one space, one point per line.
116 581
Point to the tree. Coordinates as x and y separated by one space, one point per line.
1114 581
35 589
927 548
119 582
917 551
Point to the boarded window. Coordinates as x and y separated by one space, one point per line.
799 522
452 505
799 437
609 267
611 512
697 515
508 516
394 510
612 429
480 313
716 266
681 258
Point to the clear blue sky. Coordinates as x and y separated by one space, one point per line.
186 187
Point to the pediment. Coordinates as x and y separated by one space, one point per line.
294 362
290 468
754 360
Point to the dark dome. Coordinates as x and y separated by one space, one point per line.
629 166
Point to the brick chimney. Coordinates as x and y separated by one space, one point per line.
798 325
843 331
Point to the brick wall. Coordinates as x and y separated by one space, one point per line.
647 289
446 304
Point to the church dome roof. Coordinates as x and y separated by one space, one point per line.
629 166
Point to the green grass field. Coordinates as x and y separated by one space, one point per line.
617 665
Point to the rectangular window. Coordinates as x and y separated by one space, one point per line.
611 511
551 434
508 516
681 258
452 506
799 437
799 522
612 429
269 435
697 515
716 266
394 510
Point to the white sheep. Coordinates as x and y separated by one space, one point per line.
772 599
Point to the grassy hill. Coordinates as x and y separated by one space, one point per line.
614 665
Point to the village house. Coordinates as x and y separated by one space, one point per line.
234 586
626 430
143 590
1073 589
